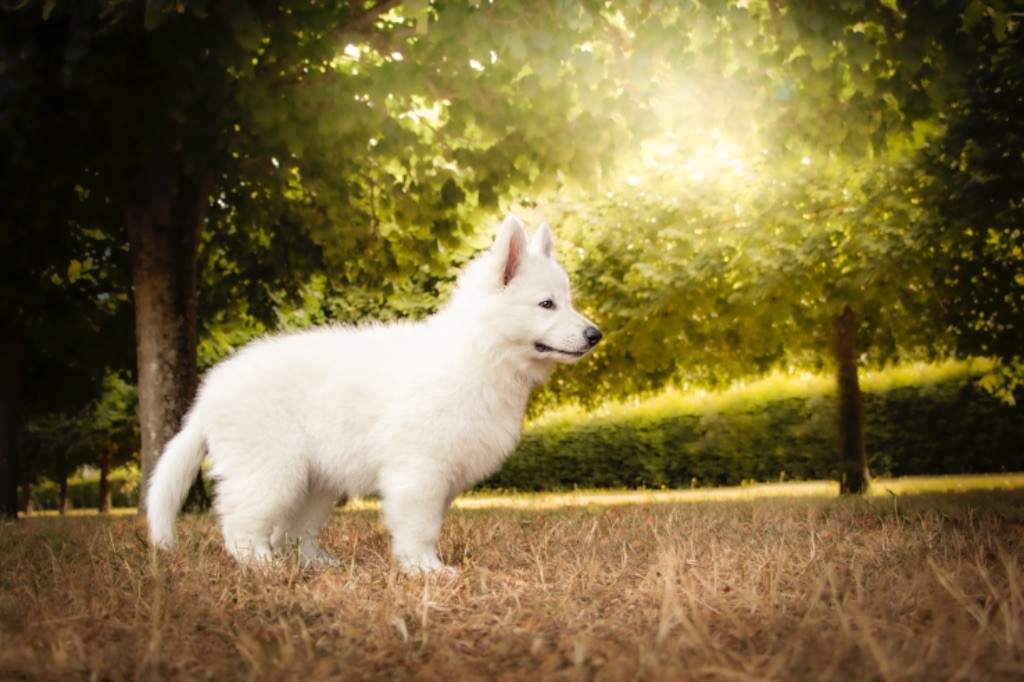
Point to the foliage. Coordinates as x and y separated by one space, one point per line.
679 440
726 176
377 151
55 445
793 191
84 491
367 143
301 138
340 147
976 200
709 279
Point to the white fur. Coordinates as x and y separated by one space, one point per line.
413 412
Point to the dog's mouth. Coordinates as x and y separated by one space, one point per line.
541 348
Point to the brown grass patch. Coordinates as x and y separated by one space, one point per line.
924 587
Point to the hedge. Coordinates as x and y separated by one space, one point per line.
938 427
950 427
84 493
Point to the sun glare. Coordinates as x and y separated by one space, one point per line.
693 159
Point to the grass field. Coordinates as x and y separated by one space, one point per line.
790 586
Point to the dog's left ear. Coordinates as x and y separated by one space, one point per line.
510 248
543 241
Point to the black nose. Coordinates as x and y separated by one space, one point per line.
592 335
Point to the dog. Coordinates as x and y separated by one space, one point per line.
413 412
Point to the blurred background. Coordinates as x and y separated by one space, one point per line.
798 224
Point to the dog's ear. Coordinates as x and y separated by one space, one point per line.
543 241
510 248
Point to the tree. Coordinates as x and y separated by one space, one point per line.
50 443
66 319
11 348
64 281
975 200
791 228
110 432
104 433
69 324
742 271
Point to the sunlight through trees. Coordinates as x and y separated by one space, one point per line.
734 179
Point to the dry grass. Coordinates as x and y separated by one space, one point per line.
916 587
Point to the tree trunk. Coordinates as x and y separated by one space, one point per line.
11 350
105 460
26 496
62 507
853 464
164 214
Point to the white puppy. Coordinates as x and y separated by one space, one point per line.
413 412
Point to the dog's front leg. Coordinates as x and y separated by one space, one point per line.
413 513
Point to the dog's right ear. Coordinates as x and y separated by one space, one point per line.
510 248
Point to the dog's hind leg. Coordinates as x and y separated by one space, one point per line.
247 540
252 505
305 527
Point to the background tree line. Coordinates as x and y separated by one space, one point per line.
744 186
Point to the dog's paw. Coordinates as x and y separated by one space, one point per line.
427 566
442 572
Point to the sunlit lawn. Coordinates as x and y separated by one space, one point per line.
754 491
782 581
883 487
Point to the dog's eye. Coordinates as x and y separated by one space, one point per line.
547 303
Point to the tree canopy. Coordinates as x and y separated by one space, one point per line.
975 197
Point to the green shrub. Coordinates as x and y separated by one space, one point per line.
935 427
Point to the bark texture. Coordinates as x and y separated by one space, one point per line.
853 463
11 353
62 507
165 210
105 460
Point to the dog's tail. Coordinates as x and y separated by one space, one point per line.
175 471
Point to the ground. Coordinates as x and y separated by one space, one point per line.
925 586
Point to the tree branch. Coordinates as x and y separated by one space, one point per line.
358 25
